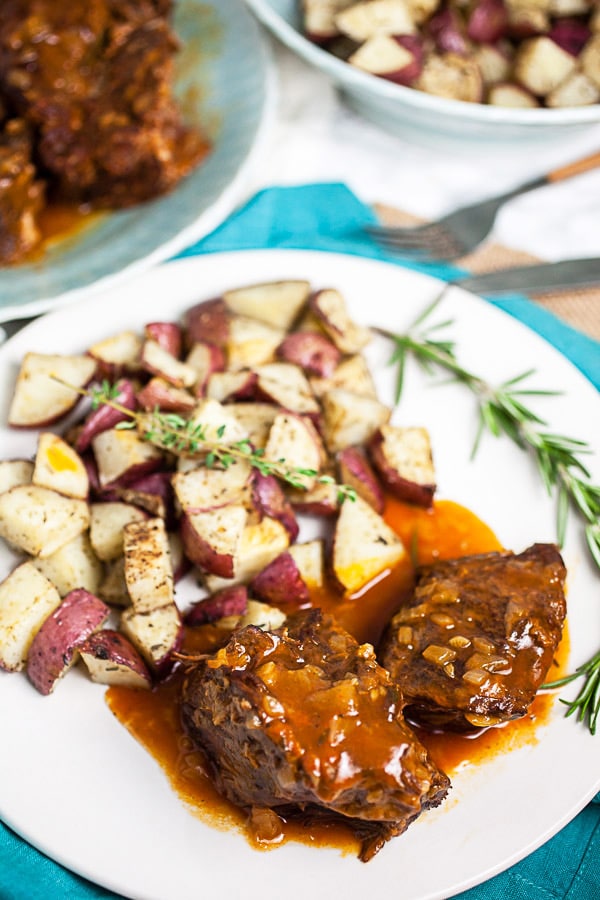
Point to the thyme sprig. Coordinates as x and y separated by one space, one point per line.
186 437
504 411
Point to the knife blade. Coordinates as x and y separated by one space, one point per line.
545 276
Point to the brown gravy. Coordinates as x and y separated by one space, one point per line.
447 530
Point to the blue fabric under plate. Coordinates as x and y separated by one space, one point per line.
329 217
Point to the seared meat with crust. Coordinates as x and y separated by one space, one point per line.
304 721
21 194
93 78
476 640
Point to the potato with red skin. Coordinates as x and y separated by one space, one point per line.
226 386
106 417
313 352
230 601
277 303
402 457
270 500
54 649
356 471
488 21
111 658
168 335
205 359
211 539
158 361
117 355
207 322
123 456
161 394
157 635
38 398
280 584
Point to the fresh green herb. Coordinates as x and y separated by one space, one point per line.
184 437
503 411
587 702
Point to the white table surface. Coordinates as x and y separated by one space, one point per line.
315 137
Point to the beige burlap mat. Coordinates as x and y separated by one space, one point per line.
579 307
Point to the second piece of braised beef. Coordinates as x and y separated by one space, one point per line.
304 721
476 641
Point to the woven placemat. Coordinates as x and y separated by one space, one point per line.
579 307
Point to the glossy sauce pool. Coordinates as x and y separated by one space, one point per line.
446 531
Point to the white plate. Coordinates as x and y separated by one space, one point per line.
77 786
224 78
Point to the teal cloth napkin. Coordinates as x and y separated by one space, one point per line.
329 217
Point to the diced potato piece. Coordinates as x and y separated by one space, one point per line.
351 419
251 343
74 565
260 543
148 569
256 420
262 615
319 18
362 21
207 322
309 559
15 472
122 455
541 65
277 303
203 489
59 467
590 58
314 353
355 471
205 359
54 648
452 76
384 56
295 439
118 353
167 334
211 540
224 386
107 521
403 458
156 634
218 423
281 584
40 521
511 95
39 399
352 373
576 90
329 306
26 599
160 394
111 658
287 386
113 589
494 65
364 546
158 361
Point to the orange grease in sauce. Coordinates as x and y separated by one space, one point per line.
447 530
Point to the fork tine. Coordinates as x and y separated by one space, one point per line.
438 243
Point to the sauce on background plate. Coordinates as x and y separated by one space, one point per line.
445 531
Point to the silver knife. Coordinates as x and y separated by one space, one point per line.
543 277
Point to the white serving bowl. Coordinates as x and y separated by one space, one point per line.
415 115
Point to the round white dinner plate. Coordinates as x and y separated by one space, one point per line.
76 785
225 81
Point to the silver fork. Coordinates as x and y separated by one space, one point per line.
458 233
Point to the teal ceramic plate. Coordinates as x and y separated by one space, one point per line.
225 83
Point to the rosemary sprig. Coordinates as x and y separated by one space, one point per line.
587 702
184 437
503 411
